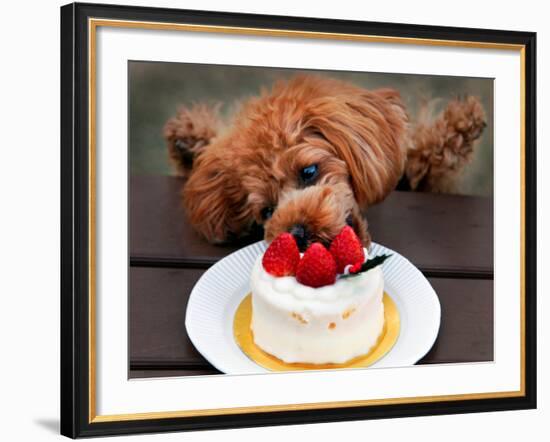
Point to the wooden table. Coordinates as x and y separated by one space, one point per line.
449 238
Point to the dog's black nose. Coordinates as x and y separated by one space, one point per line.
299 232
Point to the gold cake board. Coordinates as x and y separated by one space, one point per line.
245 340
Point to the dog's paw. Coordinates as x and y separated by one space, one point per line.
465 121
444 145
188 133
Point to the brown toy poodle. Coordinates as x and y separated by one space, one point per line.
310 156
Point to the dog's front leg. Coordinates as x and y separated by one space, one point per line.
188 133
443 146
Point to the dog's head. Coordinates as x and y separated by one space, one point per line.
306 157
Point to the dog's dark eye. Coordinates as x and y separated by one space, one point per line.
309 174
266 213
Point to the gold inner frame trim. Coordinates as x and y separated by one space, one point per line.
299 34
93 24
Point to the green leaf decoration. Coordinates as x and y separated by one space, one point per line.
368 265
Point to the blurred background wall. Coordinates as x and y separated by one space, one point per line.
157 89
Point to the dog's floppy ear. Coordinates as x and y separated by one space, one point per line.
214 200
188 133
367 130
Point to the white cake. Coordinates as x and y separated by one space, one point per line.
330 324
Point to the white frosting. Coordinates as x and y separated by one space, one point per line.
330 324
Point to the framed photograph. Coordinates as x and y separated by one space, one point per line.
278 220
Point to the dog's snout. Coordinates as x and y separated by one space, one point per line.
300 234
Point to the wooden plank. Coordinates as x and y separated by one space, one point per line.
443 235
467 322
137 374
158 299
447 235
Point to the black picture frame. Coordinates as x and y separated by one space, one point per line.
75 218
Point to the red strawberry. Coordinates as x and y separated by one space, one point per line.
317 267
355 268
347 249
282 256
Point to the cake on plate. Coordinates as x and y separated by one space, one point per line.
321 307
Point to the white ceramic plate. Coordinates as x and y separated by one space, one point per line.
218 293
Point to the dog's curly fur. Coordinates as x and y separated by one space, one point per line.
441 147
361 141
